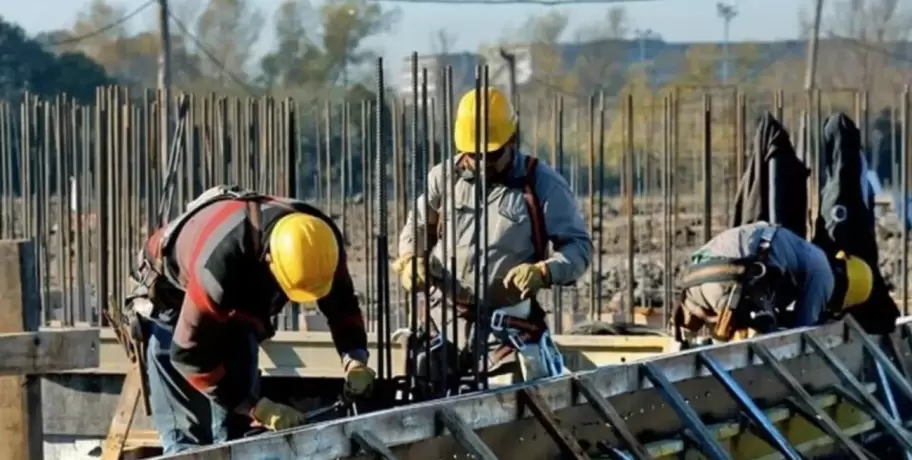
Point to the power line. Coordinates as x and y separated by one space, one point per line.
101 30
210 55
512 2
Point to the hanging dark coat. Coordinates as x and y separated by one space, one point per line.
752 204
845 221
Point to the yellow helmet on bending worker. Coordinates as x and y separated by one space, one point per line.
303 256
859 280
500 120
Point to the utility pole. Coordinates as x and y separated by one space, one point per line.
727 13
805 137
810 71
164 82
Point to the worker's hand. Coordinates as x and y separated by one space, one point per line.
410 279
359 379
527 278
274 416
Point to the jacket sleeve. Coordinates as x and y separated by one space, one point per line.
218 357
427 216
343 314
565 226
818 282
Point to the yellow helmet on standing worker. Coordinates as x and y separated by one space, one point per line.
500 119
859 280
303 256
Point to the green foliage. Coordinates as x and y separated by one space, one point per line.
25 65
325 48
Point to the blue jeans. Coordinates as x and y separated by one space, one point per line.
184 417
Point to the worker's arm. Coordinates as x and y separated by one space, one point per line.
344 316
566 229
411 243
817 287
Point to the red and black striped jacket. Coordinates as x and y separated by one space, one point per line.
230 291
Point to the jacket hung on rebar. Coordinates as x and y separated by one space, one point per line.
527 205
756 277
845 227
216 276
773 172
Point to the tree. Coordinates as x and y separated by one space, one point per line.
601 63
860 36
28 66
328 53
230 30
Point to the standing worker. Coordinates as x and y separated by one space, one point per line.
210 282
528 205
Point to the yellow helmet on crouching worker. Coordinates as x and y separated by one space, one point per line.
859 280
500 119
303 256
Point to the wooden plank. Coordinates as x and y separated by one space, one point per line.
416 422
123 417
48 351
20 311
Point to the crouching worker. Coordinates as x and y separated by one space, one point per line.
759 278
210 282
528 205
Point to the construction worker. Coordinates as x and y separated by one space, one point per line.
528 205
210 282
759 278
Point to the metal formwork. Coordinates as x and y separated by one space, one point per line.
612 412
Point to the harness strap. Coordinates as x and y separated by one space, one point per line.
539 231
253 221
159 245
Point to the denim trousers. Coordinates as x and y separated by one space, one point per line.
184 417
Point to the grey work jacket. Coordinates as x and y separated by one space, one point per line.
802 261
509 227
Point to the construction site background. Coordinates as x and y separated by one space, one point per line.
80 167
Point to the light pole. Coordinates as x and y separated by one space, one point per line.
642 36
727 13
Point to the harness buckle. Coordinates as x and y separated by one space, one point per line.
516 342
498 319
551 355
435 343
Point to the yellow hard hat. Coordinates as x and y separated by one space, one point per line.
501 121
304 255
859 280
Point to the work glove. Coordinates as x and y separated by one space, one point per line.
409 279
274 416
359 379
528 279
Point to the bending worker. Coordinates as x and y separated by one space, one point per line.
212 280
528 205
759 278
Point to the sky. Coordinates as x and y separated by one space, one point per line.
473 25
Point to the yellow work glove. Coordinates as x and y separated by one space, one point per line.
527 278
359 379
408 278
275 416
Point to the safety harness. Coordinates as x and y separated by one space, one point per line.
155 264
521 331
757 288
